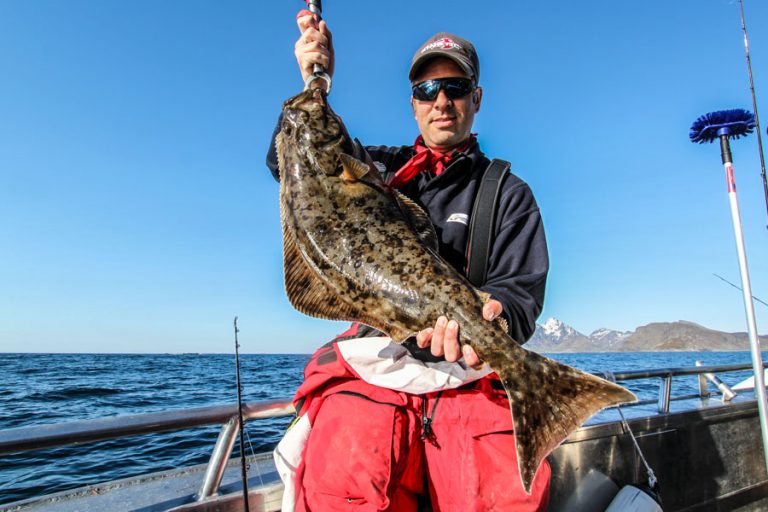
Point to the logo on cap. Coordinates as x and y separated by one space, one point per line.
445 44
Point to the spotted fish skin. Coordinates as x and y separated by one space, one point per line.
354 249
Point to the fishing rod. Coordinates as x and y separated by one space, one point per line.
316 8
243 466
725 125
730 283
754 106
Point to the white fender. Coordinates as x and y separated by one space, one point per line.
632 499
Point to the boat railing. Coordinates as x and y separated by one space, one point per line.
38 437
704 374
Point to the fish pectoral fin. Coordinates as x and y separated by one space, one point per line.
352 169
419 221
548 401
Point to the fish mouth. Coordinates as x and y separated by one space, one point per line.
305 97
331 143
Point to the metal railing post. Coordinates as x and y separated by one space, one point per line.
725 390
703 388
214 472
665 393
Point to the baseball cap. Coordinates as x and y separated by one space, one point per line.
444 44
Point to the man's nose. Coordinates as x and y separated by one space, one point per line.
442 100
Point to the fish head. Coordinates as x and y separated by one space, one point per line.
314 131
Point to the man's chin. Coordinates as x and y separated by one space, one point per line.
447 143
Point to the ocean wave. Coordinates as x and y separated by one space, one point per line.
74 392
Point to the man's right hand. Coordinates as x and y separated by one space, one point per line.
315 46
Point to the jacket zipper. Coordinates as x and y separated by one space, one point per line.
427 432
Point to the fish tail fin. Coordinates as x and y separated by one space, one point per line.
548 401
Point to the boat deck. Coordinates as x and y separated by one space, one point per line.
168 490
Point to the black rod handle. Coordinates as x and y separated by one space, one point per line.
316 8
725 150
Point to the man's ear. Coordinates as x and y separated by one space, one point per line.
477 98
413 105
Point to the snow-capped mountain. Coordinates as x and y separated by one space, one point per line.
608 338
555 328
556 336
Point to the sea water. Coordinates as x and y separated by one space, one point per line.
38 389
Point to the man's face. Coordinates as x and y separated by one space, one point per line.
445 123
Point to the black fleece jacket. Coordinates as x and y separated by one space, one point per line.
518 259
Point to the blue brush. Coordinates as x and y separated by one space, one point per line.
731 123
726 125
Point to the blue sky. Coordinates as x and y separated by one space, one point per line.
136 213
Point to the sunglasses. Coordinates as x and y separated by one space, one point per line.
454 88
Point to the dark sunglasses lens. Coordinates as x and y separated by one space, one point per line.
454 88
426 91
457 87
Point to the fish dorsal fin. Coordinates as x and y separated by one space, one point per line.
352 169
313 296
419 220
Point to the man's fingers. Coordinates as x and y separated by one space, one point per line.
314 46
451 342
307 59
310 51
492 309
305 19
443 340
470 357
323 27
424 337
312 35
438 336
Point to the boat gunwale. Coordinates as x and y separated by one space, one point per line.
37 437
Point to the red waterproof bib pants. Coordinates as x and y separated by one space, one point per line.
368 449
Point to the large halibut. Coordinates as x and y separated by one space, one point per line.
355 249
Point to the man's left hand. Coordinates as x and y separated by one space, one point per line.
443 339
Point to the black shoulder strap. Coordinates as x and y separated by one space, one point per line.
483 219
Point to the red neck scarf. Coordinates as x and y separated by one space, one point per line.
424 159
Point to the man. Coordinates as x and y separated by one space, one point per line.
382 426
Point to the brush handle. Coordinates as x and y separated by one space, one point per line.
725 150
749 307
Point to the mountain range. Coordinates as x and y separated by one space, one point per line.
681 336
